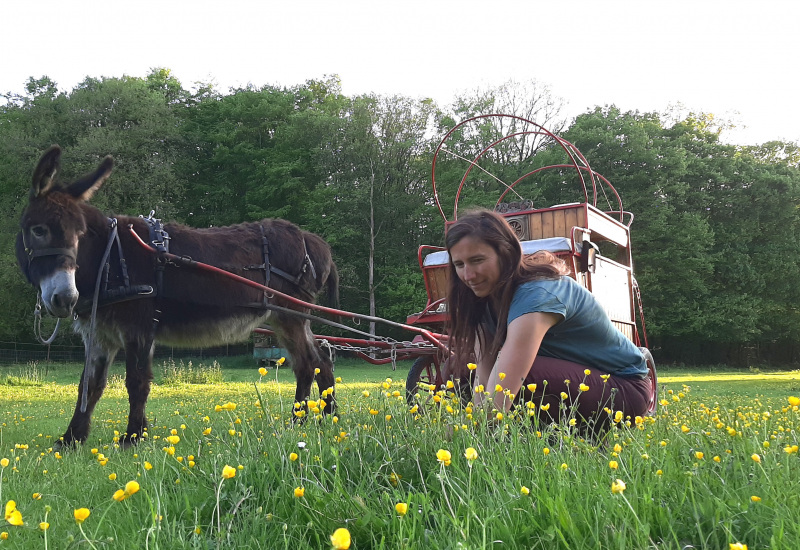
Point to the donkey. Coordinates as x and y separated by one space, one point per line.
126 294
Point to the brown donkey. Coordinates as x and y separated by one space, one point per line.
129 296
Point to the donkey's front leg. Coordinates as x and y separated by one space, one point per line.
93 382
138 375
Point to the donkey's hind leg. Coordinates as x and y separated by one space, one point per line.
93 382
138 375
308 362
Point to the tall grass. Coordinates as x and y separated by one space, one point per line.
706 472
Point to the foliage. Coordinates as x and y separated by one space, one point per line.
715 234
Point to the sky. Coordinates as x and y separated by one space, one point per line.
735 59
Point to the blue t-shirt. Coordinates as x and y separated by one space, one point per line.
585 335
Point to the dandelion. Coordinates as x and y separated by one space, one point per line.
756 458
471 454
524 490
228 472
444 457
401 508
340 539
299 492
13 516
81 514
617 487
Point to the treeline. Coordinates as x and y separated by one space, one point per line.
715 234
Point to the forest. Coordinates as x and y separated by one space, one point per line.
715 234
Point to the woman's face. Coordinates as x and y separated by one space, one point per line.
477 265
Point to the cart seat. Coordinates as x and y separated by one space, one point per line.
552 244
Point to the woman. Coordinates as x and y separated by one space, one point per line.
552 332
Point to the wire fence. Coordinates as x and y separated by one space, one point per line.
20 353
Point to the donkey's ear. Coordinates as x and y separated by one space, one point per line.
85 187
44 177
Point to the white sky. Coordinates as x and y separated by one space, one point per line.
736 59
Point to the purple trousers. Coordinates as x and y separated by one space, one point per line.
633 396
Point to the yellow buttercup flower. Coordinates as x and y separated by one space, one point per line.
81 514
44 526
756 458
472 366
754 498
119 495
613 465
618 486
173 439
299 492
262 371
794 401
401 508
131 487
293 456
501 376
340 539
471 454
148 466
228 472
737 546
699 455
13 516
583 387
525 491
112 476
4 462
280 361
444 457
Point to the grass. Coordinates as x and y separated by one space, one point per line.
691 473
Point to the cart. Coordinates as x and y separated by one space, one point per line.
595 242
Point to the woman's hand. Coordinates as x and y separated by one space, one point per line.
524 336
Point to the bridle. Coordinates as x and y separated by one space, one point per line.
37 312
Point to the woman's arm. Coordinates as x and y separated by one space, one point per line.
522 343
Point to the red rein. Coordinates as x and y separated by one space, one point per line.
428 335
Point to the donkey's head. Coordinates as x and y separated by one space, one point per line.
51 226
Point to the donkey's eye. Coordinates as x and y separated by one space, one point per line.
39 230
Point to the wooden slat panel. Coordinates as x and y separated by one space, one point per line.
437 281
536 225
547 225
570 219
560 224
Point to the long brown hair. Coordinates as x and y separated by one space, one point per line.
467 312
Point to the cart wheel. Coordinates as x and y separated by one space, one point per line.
415 373
651 373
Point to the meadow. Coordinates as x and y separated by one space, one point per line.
224 466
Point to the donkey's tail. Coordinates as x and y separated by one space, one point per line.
333 287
